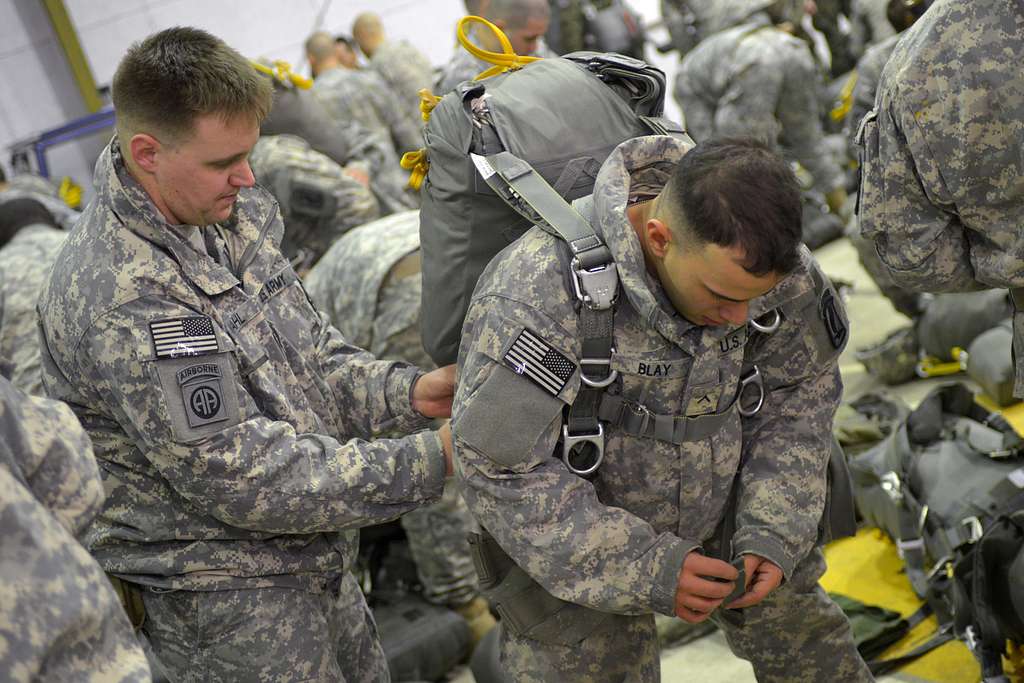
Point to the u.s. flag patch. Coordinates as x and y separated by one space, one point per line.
531 357
177 337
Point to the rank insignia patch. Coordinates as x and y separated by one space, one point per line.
533 358
202 394
177 337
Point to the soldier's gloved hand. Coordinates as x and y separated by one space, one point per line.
697 596
765 576
445 434
433 393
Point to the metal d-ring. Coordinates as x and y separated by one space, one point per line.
769 328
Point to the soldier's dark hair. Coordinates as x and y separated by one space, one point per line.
3 176
738 192
167 80
343 40
16 214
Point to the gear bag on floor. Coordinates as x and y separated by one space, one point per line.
564 116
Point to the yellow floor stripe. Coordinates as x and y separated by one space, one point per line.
867 568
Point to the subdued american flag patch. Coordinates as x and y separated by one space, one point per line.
176 337
532 357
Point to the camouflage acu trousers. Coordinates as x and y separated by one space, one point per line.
797 634
437 541
265 634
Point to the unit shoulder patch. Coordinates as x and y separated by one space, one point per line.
834 323
530 356
187 336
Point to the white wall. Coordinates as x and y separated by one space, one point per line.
37 91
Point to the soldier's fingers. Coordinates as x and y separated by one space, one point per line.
690 616
700 565
696 603
705 588
763 583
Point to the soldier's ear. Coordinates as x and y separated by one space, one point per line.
659 236
145 150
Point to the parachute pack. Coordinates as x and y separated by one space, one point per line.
594 100
947 486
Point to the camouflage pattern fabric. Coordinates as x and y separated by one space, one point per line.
44 191
295 173
407 71
616 543
299 112
869 71
942 186
285 635
24 265
363 96
757 80
59 619
230 419
354 284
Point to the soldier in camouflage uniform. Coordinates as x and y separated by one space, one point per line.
942 185
319 200
60 620
404 68
524 22
596 558
757 79
29 241
298 112
44 191
360 95
230 419
369 285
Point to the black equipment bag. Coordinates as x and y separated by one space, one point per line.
563 116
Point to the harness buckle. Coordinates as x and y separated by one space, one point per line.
753 377
597 383
570 441
596 287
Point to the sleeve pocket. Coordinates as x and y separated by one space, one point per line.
200 395
504 419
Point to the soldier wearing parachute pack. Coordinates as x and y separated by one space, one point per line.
647 382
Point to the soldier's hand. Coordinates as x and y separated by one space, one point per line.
433 392
765 576
445 434
698 596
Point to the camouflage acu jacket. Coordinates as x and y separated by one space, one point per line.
407 71
24 265
356 286
942 185
60 619
757 80
617 542
227 416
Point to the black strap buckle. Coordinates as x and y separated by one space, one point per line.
570 441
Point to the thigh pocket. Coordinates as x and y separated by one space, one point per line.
529 611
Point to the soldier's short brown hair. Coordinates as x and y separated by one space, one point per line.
738 192
167 80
